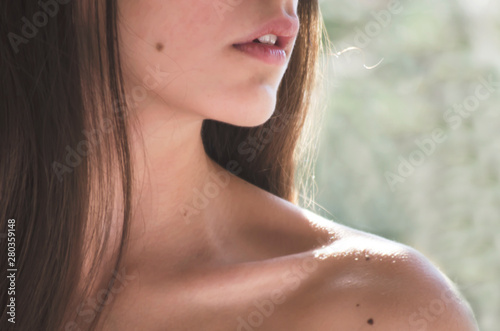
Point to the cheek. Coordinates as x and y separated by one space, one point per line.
173 35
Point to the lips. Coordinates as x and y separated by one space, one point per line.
286 30
269 54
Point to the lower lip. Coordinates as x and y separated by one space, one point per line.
269 54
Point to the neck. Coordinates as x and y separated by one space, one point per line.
180 194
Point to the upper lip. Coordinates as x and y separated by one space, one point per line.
285 28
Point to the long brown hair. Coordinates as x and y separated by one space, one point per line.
63 134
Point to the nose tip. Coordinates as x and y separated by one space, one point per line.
290 8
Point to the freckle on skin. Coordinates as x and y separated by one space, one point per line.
357 305
370 321
159 47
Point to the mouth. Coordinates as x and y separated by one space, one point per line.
273 40
268 53
269 39
266 48
273 43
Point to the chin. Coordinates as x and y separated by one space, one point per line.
247 114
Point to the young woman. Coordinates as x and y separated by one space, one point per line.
147 162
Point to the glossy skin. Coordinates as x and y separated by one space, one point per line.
249 260
281 268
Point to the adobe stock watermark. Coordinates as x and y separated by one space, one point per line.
363 37
291 279
251 146
48 9
454 117
74 156
425 315
201 198
221 7
88 309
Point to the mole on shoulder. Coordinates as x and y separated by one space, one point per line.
370 321
159 47
357 305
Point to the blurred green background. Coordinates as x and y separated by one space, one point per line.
444 199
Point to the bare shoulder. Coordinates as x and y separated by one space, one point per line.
365 282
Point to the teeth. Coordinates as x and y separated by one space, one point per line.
270 39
